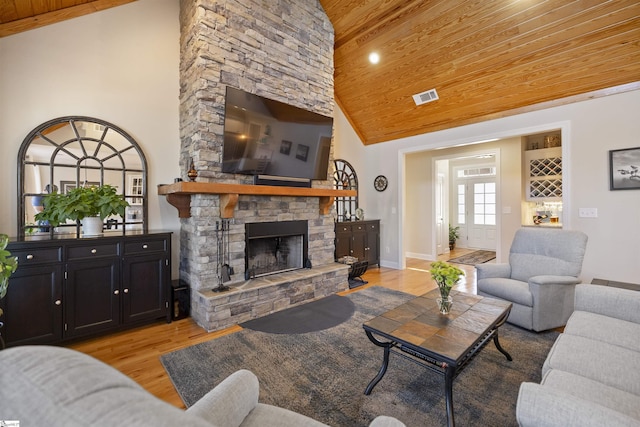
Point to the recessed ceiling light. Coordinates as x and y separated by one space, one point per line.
374 57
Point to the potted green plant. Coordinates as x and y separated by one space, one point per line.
454 233
90 205
8 265
445 276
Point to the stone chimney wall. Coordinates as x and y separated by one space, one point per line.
280 49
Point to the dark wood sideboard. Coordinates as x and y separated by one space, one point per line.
69 288
360 239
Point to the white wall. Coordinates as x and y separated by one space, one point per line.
120 65
590 129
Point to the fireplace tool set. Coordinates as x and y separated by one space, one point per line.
223 269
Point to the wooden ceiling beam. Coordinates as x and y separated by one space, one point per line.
38 20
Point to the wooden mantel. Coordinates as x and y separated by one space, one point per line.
179 195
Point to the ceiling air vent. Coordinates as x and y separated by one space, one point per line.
424 97
488 171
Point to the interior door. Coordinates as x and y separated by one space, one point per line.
440 214
481 213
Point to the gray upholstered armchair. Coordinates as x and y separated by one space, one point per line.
540 277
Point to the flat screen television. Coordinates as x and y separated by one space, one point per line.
274 140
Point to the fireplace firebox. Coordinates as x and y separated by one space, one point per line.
275 247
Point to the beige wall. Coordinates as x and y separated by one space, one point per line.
120 65
590 129
419 213
419 189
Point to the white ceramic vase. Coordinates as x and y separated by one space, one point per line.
92 226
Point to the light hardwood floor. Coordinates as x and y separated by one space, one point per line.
137 352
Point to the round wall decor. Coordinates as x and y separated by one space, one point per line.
380 183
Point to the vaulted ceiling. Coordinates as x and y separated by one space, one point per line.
22 15
485 58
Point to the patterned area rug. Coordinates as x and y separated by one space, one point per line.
475 257
323 374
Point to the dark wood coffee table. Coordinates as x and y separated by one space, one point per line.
444 344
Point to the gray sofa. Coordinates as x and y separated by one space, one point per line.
591 376
52 386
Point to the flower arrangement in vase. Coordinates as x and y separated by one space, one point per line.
445 276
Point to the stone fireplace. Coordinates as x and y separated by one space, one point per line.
283 50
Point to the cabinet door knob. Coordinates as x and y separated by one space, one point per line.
93 251
58 302
145 246
30 257
116 292
126 290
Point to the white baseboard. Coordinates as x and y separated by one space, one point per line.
387 264
425 257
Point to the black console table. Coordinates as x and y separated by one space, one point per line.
359 239
67 288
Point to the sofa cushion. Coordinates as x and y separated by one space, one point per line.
608 364
539 405
609 301
593 391
229 402
507 289
68 388
532 255
268 415
606 329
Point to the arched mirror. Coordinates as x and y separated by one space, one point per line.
73 151
345 178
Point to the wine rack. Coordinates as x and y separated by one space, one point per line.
544 174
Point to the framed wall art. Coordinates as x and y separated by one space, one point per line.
66 186
302 152
624 169
285 147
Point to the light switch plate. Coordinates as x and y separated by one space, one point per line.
588 212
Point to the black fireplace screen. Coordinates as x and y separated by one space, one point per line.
275 247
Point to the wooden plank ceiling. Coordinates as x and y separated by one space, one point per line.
21 15
485 58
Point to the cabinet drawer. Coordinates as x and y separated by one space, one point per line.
145 246
340 228
37 256
359 227
372 227
92 251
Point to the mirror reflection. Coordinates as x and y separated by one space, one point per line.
73 151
